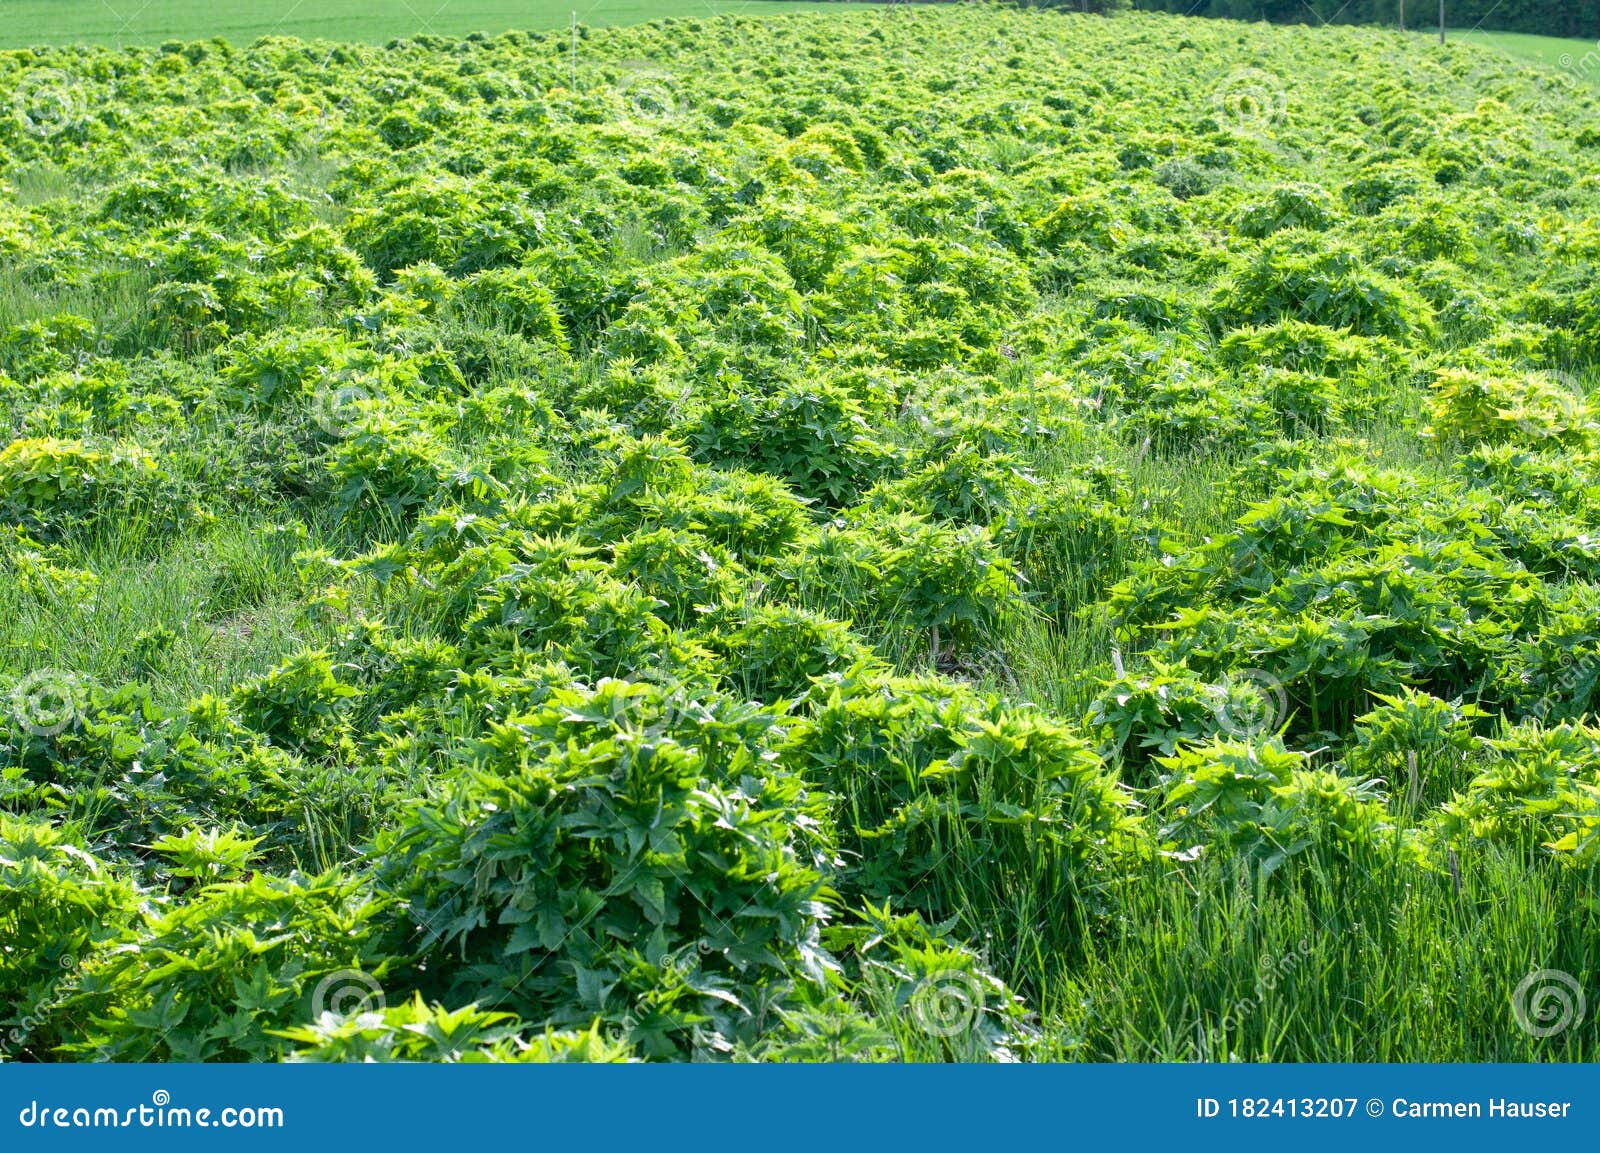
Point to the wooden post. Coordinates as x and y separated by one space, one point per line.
1441 21
1402 15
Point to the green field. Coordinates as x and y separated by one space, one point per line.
118 22
946 534
1577 57
24 23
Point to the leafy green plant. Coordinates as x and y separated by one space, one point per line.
621 855
951 801
205 856
1421 745
415 1031
1535 795
1473 407
59 904
207 979
1258 802
302 704
53 486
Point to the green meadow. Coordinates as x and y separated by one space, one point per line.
944 533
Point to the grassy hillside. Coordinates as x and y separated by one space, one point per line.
31 22
938 534
1579 58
